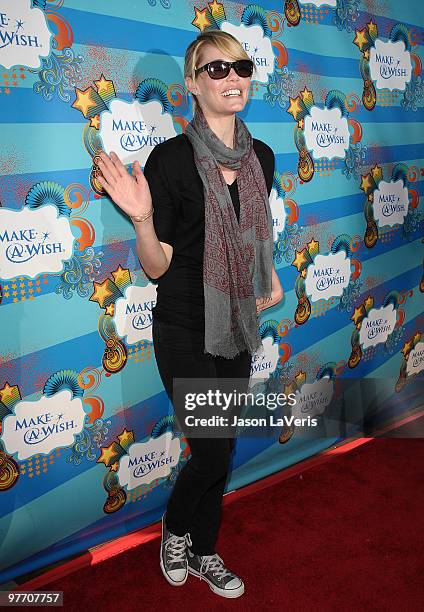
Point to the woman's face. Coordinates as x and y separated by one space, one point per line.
209 91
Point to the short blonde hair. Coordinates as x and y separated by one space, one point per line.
225 42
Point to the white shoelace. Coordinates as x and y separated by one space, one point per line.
216 564
177 546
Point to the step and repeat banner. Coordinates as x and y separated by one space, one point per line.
87 447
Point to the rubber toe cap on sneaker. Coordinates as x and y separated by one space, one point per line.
178 575
235 583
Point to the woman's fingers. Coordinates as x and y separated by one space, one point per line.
107 167
106 186
120 168
137 173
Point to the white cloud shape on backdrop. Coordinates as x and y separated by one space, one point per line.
40 426
328 276
390 203
415 361
257 46
263 364
25 37
390 64
149 460
132 129
133 313
326 133
377 326
279 213
313 398
33 241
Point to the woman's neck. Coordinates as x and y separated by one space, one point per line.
223 127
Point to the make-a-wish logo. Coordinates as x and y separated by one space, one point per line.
390 64
147 461
257 46
264 363
322 277
133 129
390 203
328 276
377 326
326 133
33 241
133 313
323 131
313 398
24 34
41 426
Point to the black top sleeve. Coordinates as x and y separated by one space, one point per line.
164 214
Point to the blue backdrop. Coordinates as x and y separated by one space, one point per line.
87 451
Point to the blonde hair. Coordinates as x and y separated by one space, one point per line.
225 42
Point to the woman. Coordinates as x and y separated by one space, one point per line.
204 231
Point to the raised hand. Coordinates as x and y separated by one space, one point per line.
130 193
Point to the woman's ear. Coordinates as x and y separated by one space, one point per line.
190 84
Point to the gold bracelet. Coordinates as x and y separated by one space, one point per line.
139 218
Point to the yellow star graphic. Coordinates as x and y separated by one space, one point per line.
84 100
103 85
377 173
126 438
366 182
368 303
215 8
9 392
121 275
357 315
313 246
360 38
417 337
109 454
307 96
294 108
201 20
114 467
407 347
101 292
95 121
372 28
110 310
300 378
299 260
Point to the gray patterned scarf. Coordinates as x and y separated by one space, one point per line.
238 256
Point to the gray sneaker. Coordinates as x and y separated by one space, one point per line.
173 558
212 569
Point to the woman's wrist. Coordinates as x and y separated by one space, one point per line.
139 218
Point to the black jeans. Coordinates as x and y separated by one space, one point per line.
195 502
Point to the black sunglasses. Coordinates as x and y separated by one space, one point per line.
219 69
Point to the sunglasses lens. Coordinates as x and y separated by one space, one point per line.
244 68
218 70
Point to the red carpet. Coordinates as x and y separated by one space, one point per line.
346 534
